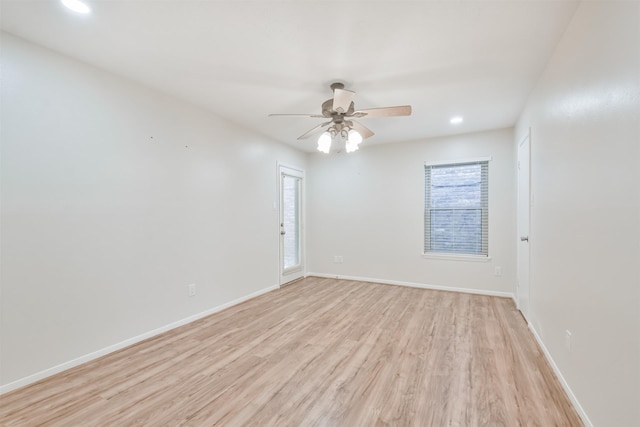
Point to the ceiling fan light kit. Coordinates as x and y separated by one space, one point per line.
324 142
341 111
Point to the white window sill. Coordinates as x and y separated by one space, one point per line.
456 257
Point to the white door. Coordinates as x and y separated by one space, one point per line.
524 200
291 224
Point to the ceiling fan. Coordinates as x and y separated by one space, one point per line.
341 112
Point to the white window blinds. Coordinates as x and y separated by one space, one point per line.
456 211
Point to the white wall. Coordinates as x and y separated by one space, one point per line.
368 208
114 198
585 234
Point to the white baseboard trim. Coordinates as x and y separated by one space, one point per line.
126 343
416 285
574 400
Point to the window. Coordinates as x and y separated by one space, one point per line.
456 208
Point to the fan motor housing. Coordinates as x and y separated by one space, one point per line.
327 110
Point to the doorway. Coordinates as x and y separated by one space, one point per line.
291 223
524 210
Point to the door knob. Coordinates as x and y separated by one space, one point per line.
524 238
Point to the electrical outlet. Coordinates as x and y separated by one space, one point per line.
337 259
497 271
567 340
192 290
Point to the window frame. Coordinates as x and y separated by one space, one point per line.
484 257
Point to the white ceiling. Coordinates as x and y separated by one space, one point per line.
245 59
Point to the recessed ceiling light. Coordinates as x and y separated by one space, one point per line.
76 6
455 120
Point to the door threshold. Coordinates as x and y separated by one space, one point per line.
292 282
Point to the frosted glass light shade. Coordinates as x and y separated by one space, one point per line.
324 143
350 147
355 137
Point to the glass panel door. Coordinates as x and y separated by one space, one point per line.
291 220
291 224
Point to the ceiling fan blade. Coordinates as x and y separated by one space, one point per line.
342 100
362 130
301 115
314 130
402 110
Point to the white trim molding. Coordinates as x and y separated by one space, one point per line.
574 400
416 285
458 161
126 343
455 257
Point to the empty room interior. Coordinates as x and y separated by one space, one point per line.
328 213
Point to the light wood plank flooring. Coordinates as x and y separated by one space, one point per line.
320 352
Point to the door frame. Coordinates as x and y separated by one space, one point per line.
523 296
291 274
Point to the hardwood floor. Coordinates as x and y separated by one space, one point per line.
320 352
